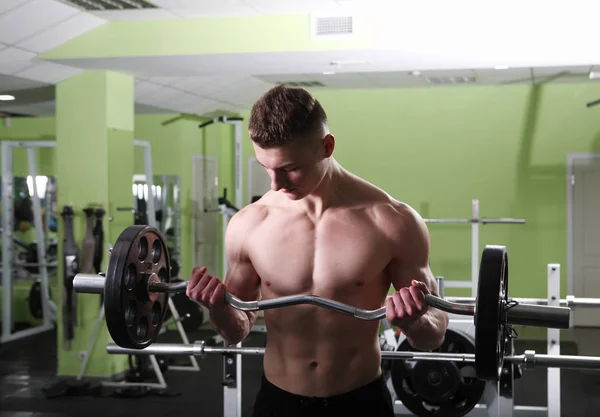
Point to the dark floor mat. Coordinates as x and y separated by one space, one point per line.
29 388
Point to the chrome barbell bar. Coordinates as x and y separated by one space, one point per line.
570 301
94 284
529 315
529 359
200 349
482 220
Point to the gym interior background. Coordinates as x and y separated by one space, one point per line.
438 109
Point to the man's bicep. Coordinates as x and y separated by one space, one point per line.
402 275
242 280
411 257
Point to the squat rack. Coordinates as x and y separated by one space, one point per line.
48 307
498 399
475 221
232 364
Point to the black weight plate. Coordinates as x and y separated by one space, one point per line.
174 268
190 313
492 296
133 316
438 388
140 367
35 300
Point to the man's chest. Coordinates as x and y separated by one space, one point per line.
341 252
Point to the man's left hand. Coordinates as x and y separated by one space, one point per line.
407 305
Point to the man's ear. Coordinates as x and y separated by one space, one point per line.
328 145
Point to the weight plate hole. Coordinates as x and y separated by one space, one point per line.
142 328
156 314
156 251
162 275
130 313
130 277
142 249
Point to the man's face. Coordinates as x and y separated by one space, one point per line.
295 169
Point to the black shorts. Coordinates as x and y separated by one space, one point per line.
371 400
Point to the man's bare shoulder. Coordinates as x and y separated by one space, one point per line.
248 218
398 217
394 217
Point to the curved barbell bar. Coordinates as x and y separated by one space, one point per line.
515 314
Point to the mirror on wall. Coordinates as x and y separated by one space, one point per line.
206 217
165 195
25 261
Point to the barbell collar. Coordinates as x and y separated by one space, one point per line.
529 359
573 301
538 316
89 283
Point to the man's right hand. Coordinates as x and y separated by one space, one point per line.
206 289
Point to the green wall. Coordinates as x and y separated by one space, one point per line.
30 128
438 148
435 149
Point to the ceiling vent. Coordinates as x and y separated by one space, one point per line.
302 83
451 80
111 4
325 27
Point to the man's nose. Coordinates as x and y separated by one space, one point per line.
277 181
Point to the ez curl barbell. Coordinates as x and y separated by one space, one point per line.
137 284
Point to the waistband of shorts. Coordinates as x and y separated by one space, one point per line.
372 386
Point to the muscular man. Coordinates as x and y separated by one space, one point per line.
320 230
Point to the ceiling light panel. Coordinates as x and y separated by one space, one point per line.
112 4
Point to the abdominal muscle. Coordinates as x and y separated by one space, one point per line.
319 353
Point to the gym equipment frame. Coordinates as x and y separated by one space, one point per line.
475 220
48 307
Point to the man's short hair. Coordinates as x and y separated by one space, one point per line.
284 114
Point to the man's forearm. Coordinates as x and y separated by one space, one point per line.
233 325
428 332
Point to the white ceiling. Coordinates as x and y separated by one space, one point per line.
232 82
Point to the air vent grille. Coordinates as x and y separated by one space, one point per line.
452 80
333 25
111 4
302 83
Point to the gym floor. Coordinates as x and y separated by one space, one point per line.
28 367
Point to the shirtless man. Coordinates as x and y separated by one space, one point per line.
320 230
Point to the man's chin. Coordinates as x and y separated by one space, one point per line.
292 194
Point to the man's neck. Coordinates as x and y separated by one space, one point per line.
327 192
